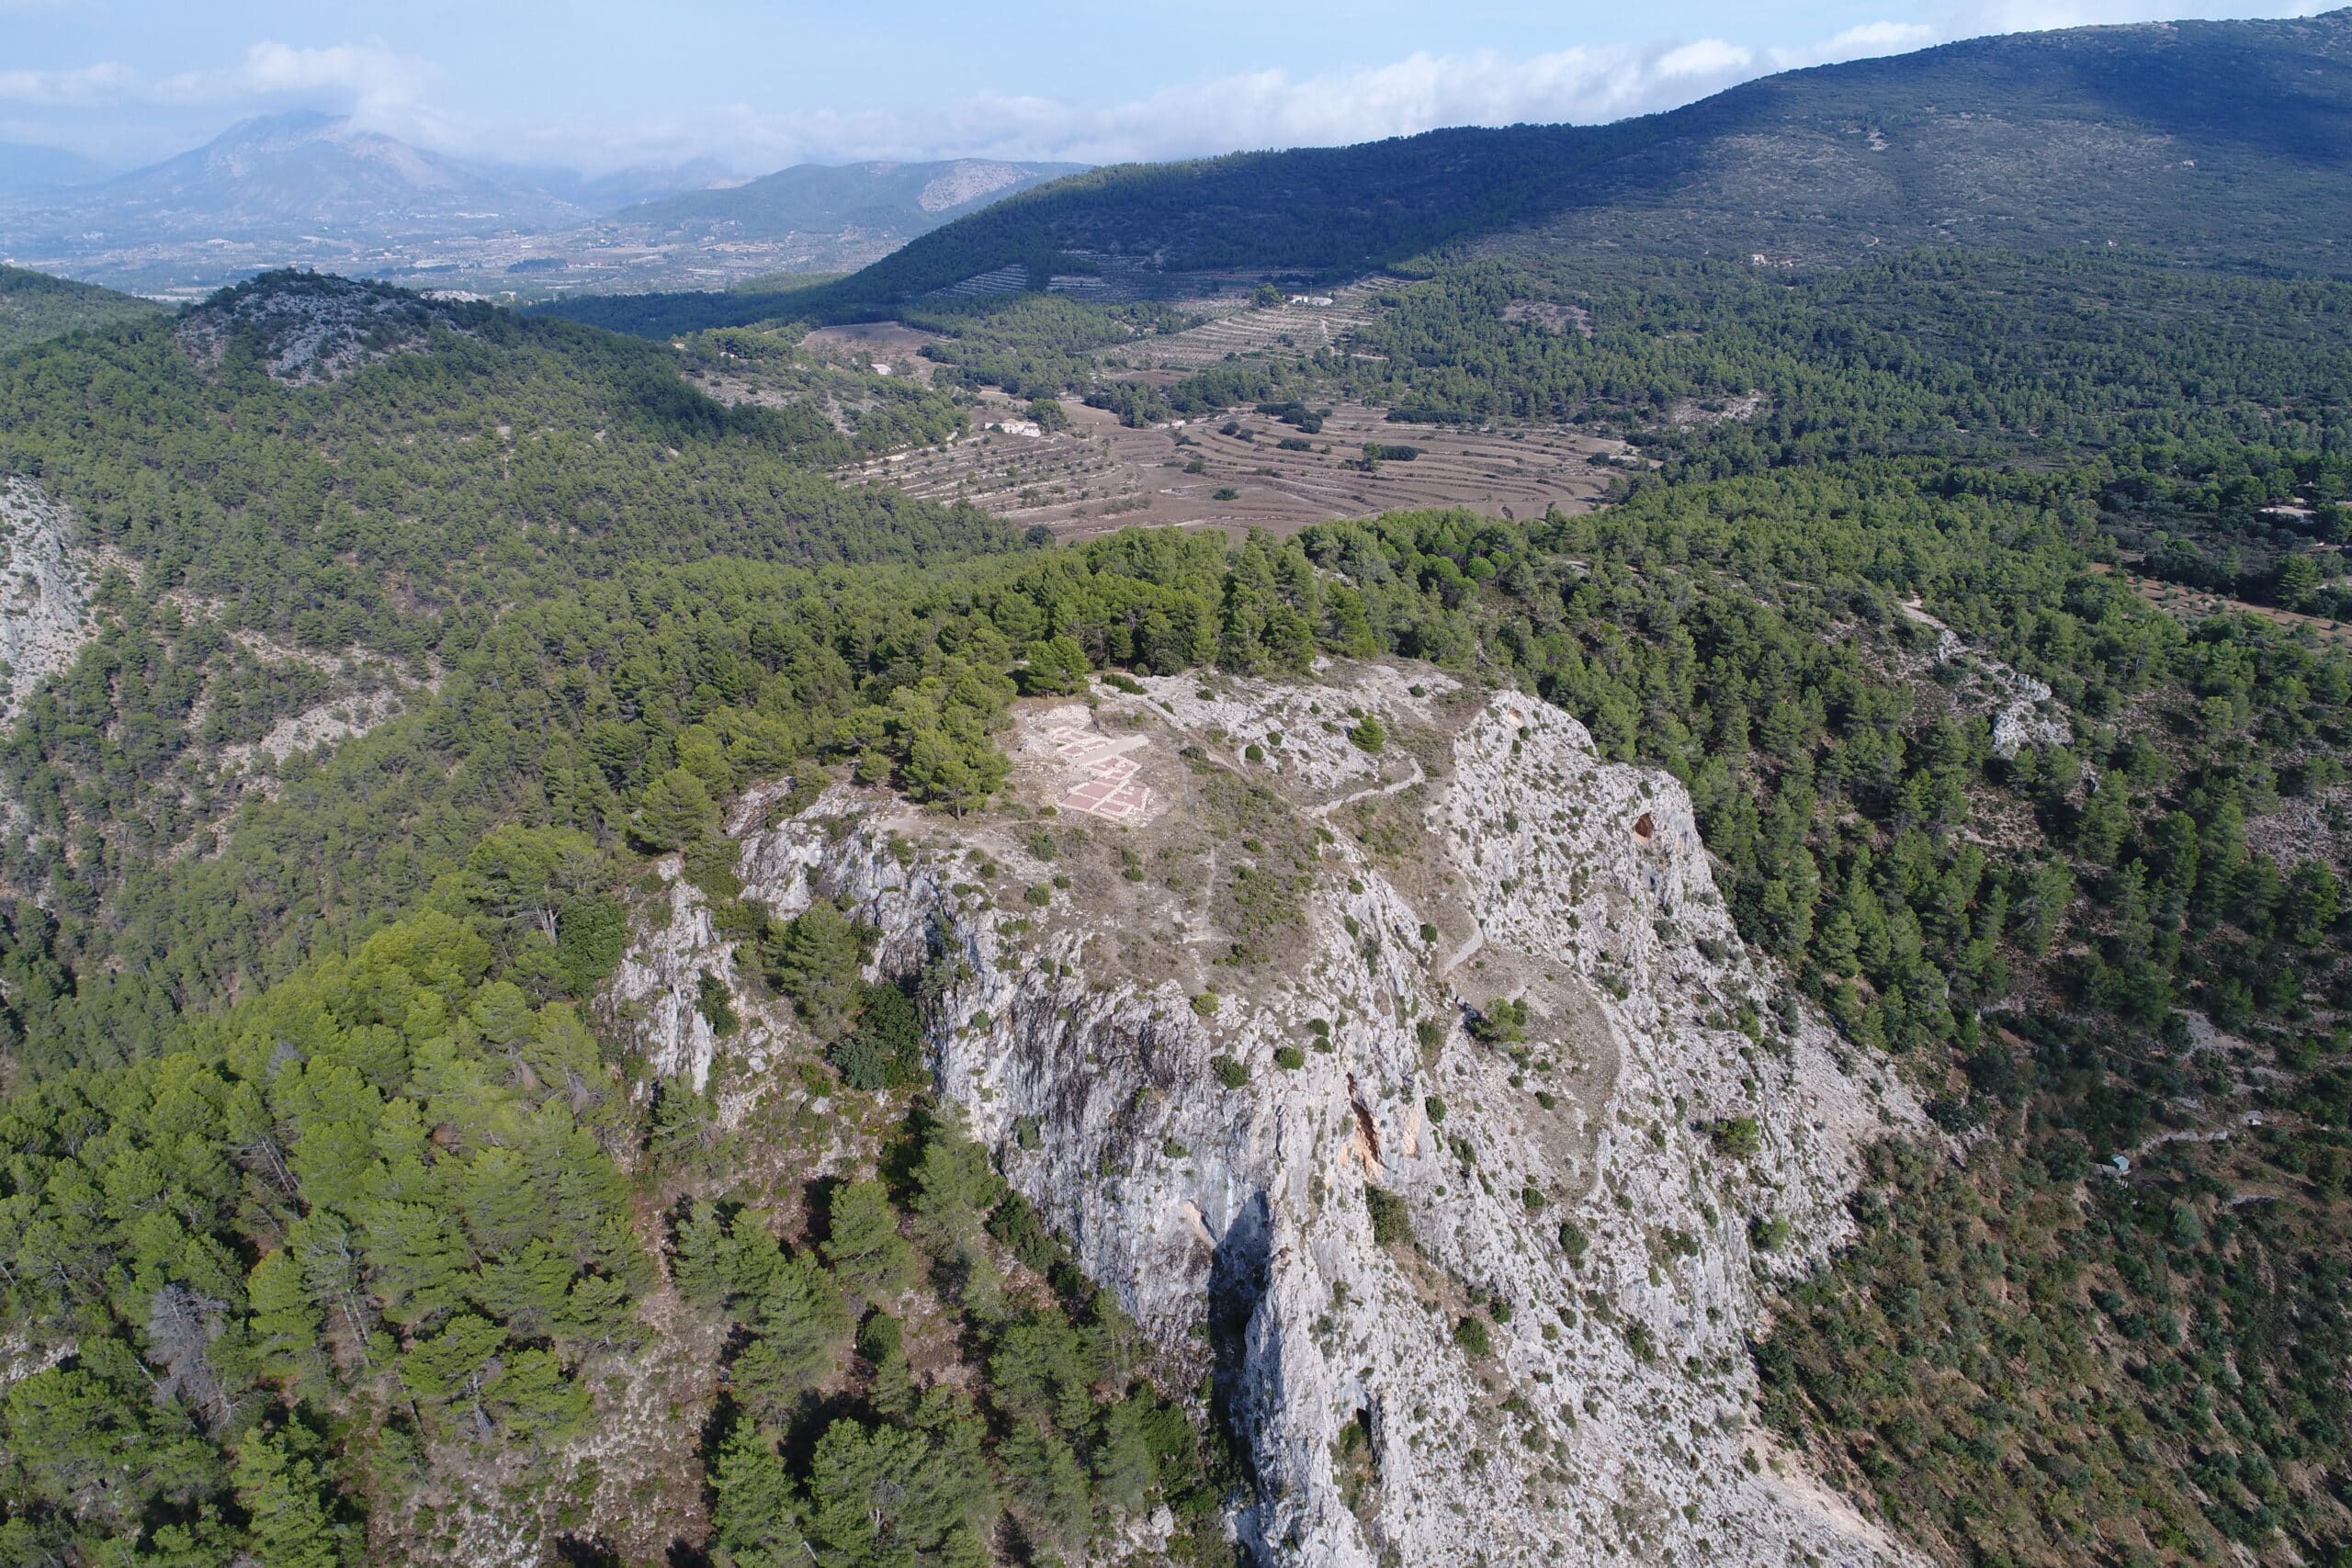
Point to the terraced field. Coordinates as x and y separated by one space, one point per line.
1099 476
1234 328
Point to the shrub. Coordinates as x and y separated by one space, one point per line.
1230 1072
1391 1222
1038 896
1503 1022
1735 1137
1471 1334
1368 735
1435 1106
884 1050
1290 1059
1206 1004
1573 1241
711 1000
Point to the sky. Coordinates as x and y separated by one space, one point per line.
599 84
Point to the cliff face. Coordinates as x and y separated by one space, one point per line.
1423 1101
44 608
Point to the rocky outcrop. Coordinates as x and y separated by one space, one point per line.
657 988
1423 1099
309 327
44 603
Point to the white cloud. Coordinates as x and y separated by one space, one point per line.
366 79
386 90
1248 109
1859 43
85 86
1707 57
369 78
1974 18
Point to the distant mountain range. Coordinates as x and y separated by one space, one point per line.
306 173
2217 141
316 190
29 170
905 200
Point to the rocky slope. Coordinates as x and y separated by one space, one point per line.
44 612
1236 1001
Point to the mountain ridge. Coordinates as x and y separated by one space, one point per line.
2010 138
911 196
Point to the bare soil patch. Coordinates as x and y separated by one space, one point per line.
892 347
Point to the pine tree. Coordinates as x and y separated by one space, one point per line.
801 1328
865 1246
757 1515
818 957
700 1257
285 1324
676 812
291 1499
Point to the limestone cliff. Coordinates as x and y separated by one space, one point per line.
1407 1081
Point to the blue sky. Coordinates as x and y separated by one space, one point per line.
601 84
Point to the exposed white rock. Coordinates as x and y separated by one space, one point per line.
2023 714
1486 854
44 602
2028 717
314 329
321 724
659 983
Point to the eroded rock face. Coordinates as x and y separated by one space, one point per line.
44 603
1609 1197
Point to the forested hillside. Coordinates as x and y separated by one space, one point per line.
34 306
1988 600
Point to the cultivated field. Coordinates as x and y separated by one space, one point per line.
1235 328
1098 476
869 345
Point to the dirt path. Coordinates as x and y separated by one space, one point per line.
1396 788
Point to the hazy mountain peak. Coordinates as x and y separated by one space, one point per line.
886 196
